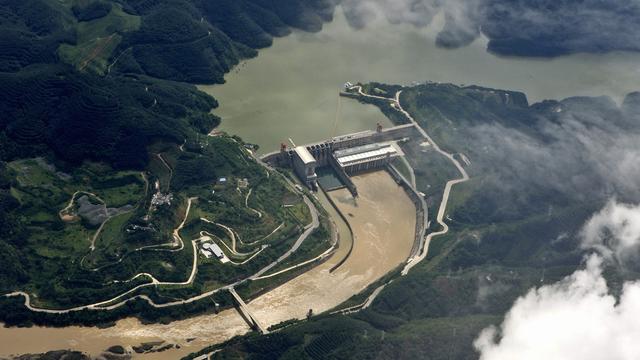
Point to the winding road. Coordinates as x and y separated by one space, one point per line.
246 203
413 261
65 212
120 300
315 223
166 164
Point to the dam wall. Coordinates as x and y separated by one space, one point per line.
421 210
322 151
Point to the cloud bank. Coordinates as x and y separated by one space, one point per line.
577 318
614 232
579 149
521 28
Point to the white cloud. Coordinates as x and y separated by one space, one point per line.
575 318
614 232
587 25
415 12
578 318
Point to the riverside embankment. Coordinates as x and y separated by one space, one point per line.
383 221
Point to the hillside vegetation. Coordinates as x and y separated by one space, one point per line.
537 175
96 110
84 79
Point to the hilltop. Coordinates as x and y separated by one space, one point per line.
105 162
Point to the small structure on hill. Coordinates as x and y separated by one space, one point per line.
243 183
210 249
159 199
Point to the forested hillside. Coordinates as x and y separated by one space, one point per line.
88 86
538 173
83 78
99 114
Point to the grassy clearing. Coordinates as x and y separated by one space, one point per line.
111 236
300 212
97 39
74 239
116 21
120 190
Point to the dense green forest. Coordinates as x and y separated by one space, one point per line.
86 79
96 100
96 91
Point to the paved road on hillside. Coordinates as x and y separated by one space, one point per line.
111 304
447 190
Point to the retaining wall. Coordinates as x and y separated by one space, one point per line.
421 209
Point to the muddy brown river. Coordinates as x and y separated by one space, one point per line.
383 222
382 219
291 91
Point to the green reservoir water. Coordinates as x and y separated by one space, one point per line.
291 89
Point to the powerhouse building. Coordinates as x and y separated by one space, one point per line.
366 157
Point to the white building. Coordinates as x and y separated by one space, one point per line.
211 249
366 157
304 165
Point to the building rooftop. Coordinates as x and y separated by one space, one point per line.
214 248
367 152
359 134
304 155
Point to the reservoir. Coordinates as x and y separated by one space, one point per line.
291 89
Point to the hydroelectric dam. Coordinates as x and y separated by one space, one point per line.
345 155
340 157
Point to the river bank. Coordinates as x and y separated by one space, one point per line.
382 219
292 88
383 222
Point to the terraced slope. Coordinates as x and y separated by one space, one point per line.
96 90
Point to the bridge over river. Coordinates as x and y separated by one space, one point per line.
244 310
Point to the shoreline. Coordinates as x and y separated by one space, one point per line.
215 328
